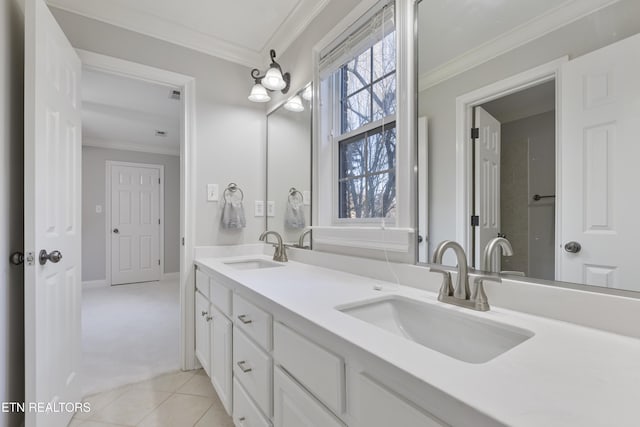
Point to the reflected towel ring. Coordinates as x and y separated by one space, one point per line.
293 193
231 191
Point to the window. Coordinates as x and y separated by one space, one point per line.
364 128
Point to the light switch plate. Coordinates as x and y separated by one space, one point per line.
271 208
306 195
259 207
212 193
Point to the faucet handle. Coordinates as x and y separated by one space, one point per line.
479 297
446 289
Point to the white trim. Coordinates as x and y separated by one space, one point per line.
539 26
163 29
109 164
188 166
464 106
170 276
397 240
90 284
129 146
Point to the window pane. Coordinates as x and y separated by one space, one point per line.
381 195
352 158
356 111
384 97
352 198
384 56
358 73
382 151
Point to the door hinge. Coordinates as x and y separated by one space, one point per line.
475 220
183 241
158 262
158 180
475 133
158 221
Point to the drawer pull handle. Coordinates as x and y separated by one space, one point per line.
204 313
243 319
243 368
209 318
241 419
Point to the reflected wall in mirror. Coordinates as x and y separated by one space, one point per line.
528 113
288 208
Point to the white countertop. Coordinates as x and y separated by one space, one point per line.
565 375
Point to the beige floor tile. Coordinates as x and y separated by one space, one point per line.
90 423
180 410
215 416
99 401
131 407
169 382
199 385
201 372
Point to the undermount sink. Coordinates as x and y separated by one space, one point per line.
252 264
466 338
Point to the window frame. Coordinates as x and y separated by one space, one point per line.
336 82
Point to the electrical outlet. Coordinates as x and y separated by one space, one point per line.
259 207
271 208
213 193
98 209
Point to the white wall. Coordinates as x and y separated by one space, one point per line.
93 193
230 129
438 102
11 207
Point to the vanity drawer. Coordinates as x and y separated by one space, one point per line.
253 367
245 413
220 296
296 354
254 321
202 283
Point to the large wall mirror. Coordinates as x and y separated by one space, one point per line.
528 114
288 207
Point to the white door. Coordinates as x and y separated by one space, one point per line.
487 183
598 201
423 190
135 224
52 144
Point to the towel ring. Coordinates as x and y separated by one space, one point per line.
231 190
293 193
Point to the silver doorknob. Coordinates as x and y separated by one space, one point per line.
573 247
116 231
54 257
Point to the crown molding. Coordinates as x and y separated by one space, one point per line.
540 26
294 25
158 28
129 146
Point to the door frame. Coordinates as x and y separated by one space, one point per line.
188 164
109 164
464 157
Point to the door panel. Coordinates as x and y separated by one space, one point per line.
487 182
52 216
135 214
599 177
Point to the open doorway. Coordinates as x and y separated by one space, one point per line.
131 229
514 178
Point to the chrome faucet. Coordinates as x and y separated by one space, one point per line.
301 239
280 253
492 248
460 295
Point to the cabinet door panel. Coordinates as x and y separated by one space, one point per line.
202 331
221 361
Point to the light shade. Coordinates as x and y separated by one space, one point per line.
273 79
307 94
294 104
259 94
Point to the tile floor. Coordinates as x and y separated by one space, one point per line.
178 399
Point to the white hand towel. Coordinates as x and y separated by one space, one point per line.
294 214
233 215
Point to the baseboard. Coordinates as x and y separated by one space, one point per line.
171 276
94 283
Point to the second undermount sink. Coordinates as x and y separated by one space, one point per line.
252 264
467 338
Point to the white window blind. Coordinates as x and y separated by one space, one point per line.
367 31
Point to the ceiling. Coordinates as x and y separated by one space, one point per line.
240 31
124 113
525 103
457 35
